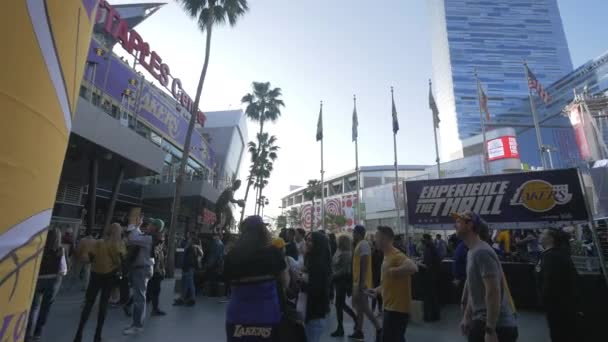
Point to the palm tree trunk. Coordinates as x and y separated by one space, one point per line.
245 199
185 155
312 216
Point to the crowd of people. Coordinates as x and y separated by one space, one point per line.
281 288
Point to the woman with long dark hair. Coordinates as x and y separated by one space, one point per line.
343 281
432 269
316 281
557 276
252 268
52 269
106 258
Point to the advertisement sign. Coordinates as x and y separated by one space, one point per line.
503 148
45 44
112 76
507 201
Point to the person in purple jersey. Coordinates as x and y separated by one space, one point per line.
257 273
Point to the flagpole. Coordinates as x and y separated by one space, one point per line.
358 220
396 173
322 180
437 160
539 137
482 121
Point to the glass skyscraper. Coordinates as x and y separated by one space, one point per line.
492 38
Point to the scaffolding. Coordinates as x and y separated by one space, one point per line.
590 113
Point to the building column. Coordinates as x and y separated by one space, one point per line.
115 192
93 175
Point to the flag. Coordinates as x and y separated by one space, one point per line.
534 84
395 120
433 106
355 122
320 124
483 101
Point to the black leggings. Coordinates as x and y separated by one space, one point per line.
153 290
341 305
103 283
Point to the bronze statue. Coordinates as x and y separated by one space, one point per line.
223 212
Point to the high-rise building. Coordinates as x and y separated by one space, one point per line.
492 38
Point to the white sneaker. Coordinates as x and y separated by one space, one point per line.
132 330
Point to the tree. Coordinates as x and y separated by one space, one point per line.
263 155
208 14
313 190
294 218
281 222
335 222
263 104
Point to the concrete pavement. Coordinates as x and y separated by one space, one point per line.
205 322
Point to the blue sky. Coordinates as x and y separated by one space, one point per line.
329 50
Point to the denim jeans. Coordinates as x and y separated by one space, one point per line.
314 329
139 283
188 291
46 291
394 326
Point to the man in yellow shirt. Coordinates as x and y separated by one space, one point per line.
362 282
395 286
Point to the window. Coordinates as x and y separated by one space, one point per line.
84 92
115 112
96 99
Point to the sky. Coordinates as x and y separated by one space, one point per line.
330 50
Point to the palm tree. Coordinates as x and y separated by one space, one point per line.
263 154
208 14
264 164
263 104
313 190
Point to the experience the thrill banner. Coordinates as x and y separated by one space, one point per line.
44 50
507 201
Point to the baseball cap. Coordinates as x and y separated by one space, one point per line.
466 216
253 220
278 243
158 223
479 224
359 229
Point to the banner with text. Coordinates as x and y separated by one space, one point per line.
507 201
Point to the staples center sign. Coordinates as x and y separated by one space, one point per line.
135 45
504 147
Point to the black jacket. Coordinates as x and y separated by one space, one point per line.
318 267
557 280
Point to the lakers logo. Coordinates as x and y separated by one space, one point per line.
541 196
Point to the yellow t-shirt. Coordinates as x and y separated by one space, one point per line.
107 256
396 291
504 238
362 249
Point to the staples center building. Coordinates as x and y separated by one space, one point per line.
128 136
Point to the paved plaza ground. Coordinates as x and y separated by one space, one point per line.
205 322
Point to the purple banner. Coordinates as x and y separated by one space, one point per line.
153 106
89 5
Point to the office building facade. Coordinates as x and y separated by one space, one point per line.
492 38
